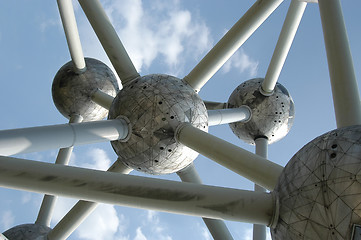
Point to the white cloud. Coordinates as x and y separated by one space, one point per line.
95 158
7 219
103 223
139 235
26 197
248 234
49 23
152 216
242 62
165 32
153 227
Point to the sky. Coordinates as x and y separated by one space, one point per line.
161 37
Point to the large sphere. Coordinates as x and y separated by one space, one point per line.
155 106
319 189
28 231
272 116
72 91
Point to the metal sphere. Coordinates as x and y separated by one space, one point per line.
72 91
319 190
155 106
272 116
27 231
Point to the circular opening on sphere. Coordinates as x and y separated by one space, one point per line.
333 155
171 117
169 150
156 161
160 102
163 119
161 148
334 146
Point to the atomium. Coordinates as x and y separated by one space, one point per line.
320 189
155 105
72 91
272 116
316 196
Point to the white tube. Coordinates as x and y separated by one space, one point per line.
141 192
48 203
288 32
230 42
230 115
72 36
81 210
346 97
259 231
24 140
251 166
109 39
102 99
216 227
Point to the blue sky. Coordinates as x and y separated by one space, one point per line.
161 37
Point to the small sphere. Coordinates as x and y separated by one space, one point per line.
72 91
27 231
272 116
319 190
155 105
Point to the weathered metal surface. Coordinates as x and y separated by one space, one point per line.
155 105
272 116
320 188
72 92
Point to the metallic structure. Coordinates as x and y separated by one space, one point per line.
158 124
319 188
155 105
72 92
272 116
